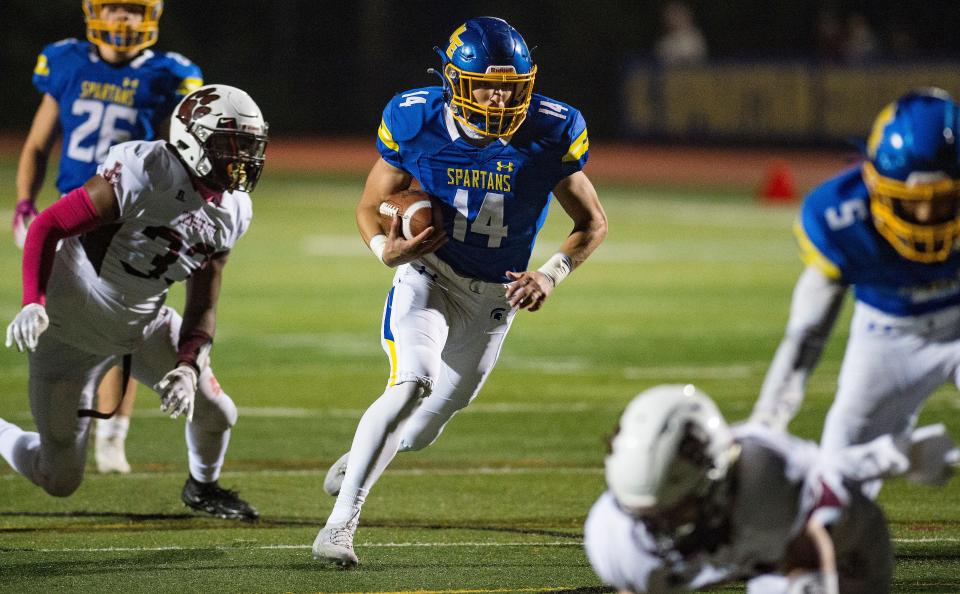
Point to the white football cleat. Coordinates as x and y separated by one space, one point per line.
111 455
334 544
334 478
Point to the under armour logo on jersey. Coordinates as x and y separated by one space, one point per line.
180 196
424 271
501 166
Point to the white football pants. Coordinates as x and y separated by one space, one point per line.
442 334
891 366
64 378
444 331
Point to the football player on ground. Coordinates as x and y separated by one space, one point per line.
96 94
493 153
693 502
155 214
889 228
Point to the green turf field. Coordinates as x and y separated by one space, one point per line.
689 287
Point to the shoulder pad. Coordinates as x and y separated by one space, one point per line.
558 125
407 112
65 49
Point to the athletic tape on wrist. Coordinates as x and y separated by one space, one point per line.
377 243
557 267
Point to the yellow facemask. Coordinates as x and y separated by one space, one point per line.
891 201
123 36
487 120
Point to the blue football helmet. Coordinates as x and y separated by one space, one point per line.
484 53
913 175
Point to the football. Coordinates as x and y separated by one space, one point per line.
415 209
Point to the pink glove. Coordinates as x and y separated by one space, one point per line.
22 215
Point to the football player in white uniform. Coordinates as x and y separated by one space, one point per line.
110 88
889 228
156 213
693 502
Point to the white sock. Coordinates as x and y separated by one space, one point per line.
206 451
19 448
113 428
374 445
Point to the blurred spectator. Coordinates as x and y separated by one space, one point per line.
682 42
829 37
860 44
903 45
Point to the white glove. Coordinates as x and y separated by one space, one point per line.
177 390
26 328
933 454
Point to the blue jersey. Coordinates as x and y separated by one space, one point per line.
494 198
102 104
837 235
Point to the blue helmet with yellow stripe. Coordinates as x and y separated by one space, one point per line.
487 53
913 175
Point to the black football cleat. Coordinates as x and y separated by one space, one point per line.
218 502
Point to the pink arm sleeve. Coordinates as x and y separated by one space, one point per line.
71 215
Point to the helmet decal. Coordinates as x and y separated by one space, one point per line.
195 105
455 41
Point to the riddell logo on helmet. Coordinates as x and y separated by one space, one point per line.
501 70
195 105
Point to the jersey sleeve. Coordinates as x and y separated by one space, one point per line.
126 168
387 146
578 145
816 243
186 78
50 72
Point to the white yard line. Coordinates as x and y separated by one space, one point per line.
480 470
378 545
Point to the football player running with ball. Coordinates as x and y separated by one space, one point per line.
155 214
98 93
889 228
693 502
493 153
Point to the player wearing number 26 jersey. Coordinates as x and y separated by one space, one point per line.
103 104
494 155
157 213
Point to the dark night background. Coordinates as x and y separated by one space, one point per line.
327 68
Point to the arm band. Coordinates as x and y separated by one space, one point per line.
193 349
557 267
73 214
376 245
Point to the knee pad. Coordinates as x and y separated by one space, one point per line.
213 409
61 484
